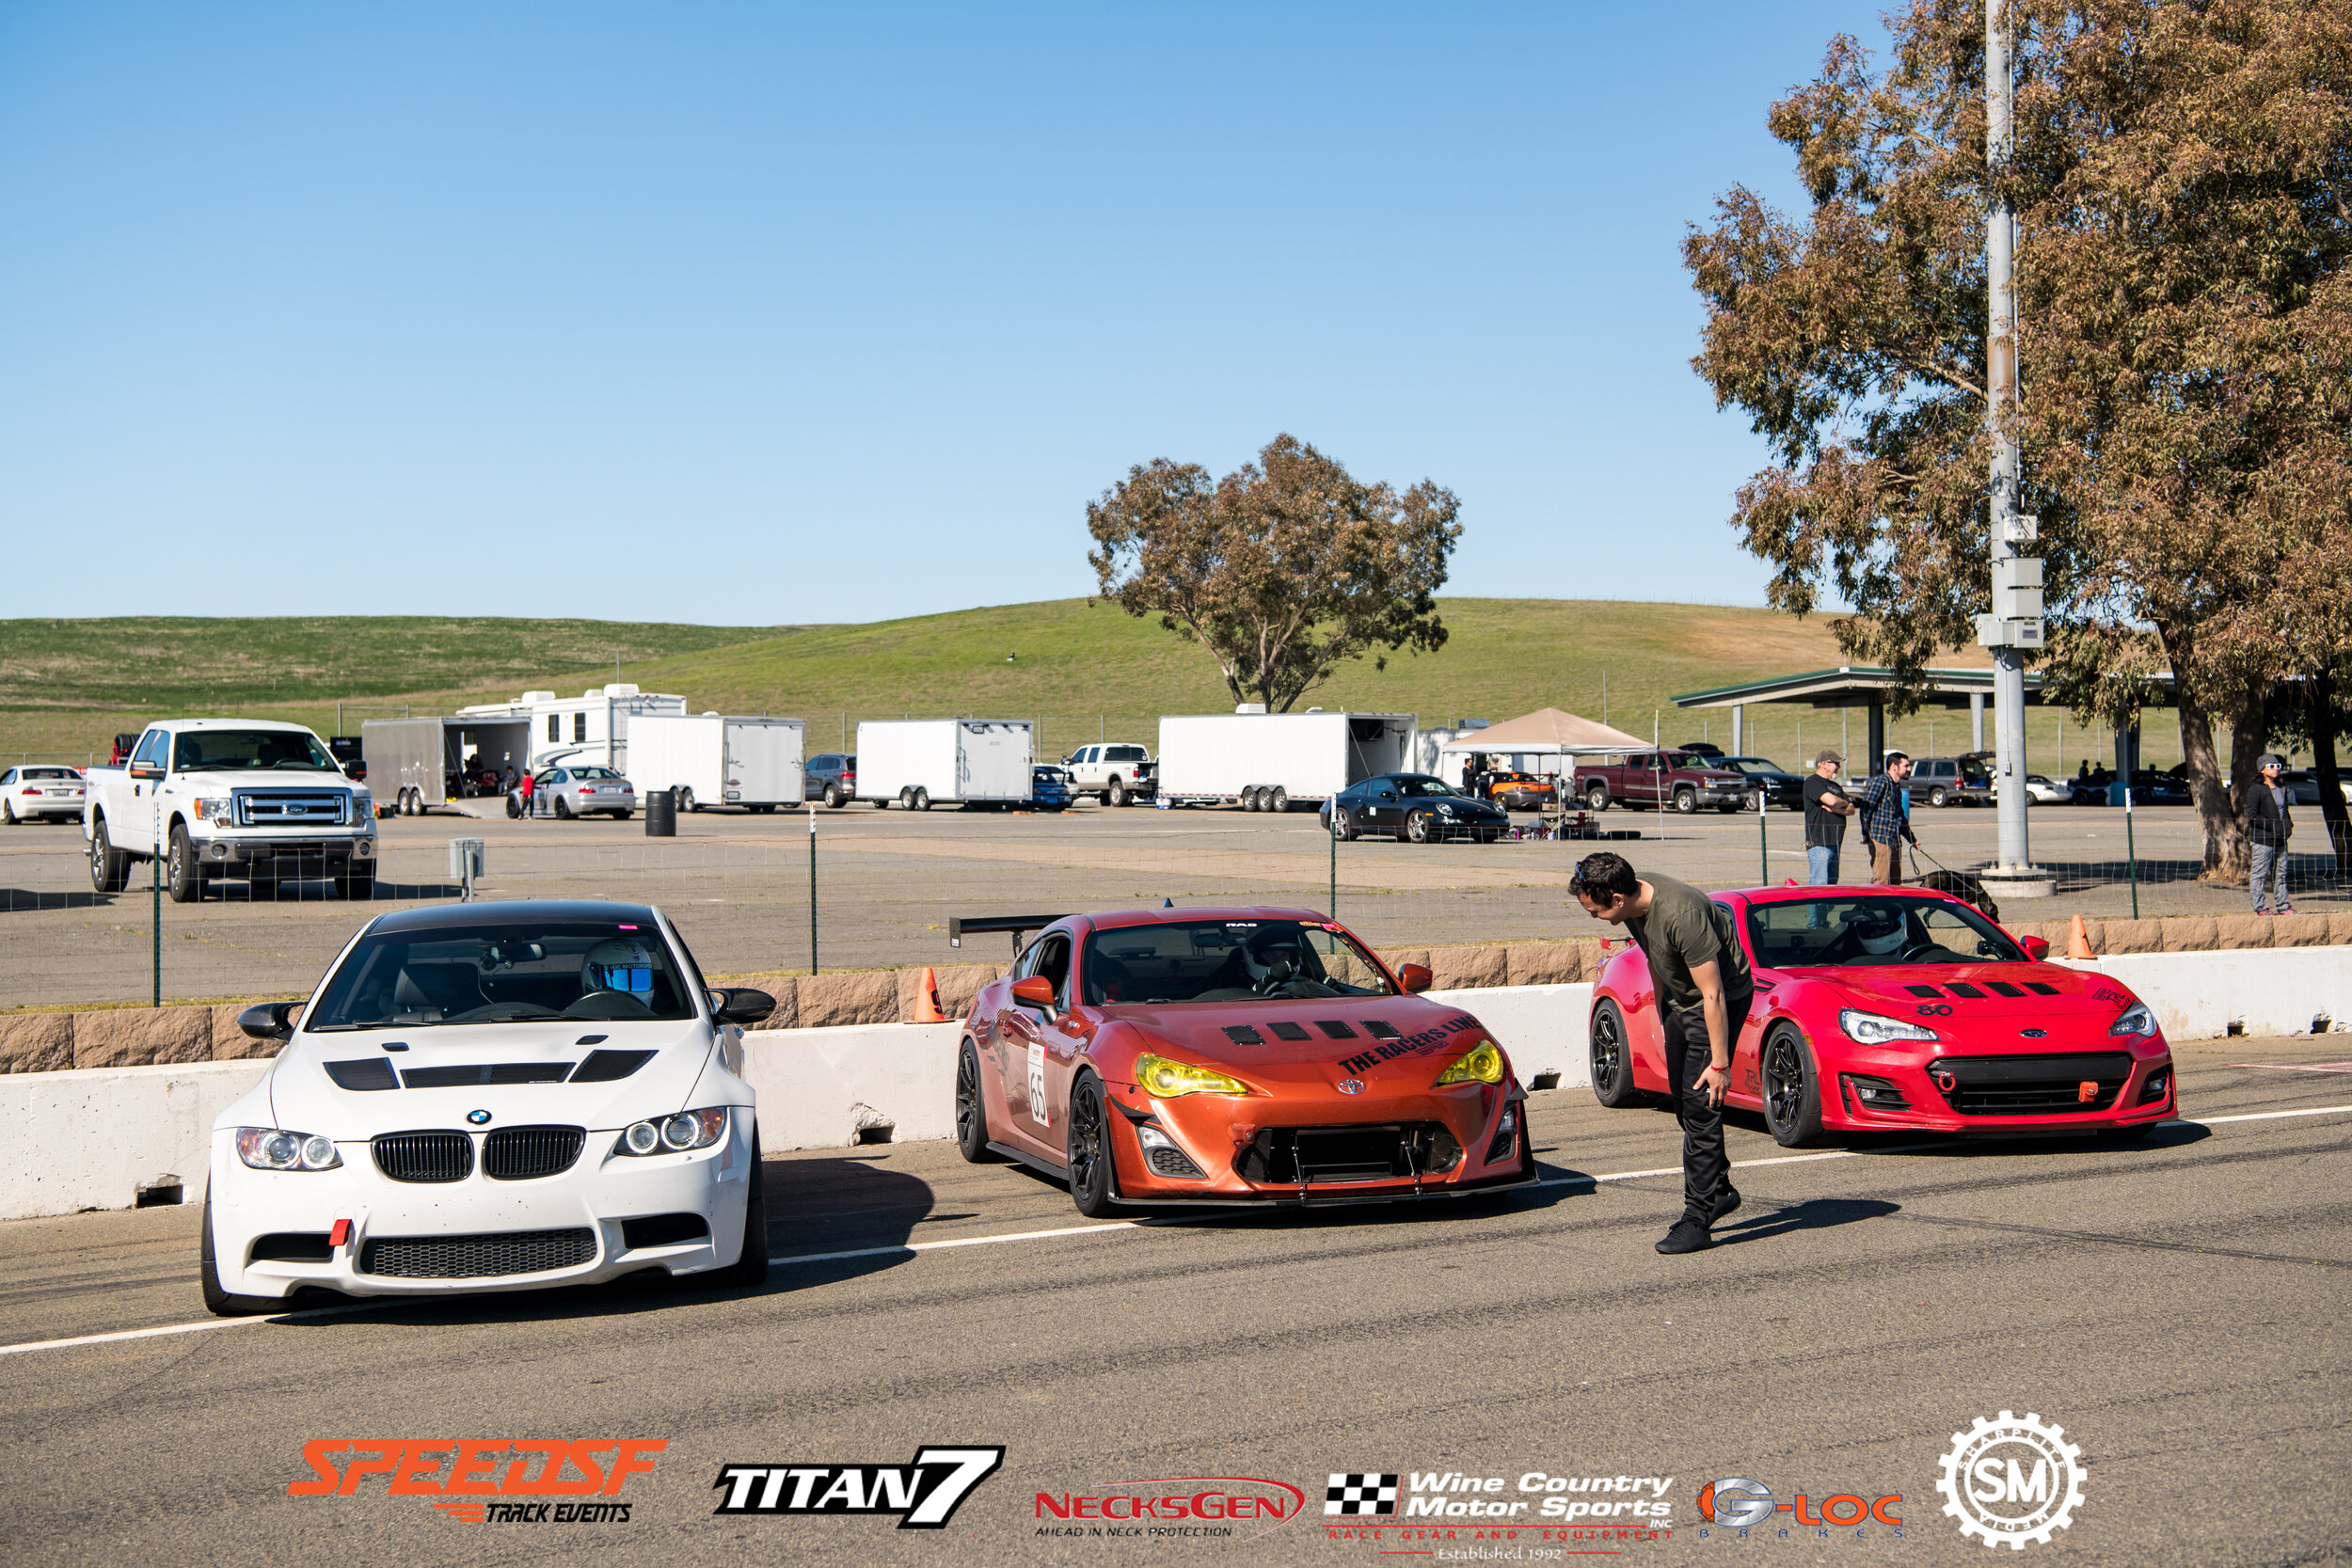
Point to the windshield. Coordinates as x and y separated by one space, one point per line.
230 751
504 972
1228 961
50 773
1796 932
594 773
1422 784
1754 765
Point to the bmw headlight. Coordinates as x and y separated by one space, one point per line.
274 1149
673 1134
1482 1065
1875 1029
1167 1080
2134 1019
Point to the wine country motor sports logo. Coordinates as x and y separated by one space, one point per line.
492 1481
1360 1494
2012 1480
923 1495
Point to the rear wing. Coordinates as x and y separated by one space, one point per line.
1019 925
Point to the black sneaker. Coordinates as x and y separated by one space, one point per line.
1727 1204
1688 1235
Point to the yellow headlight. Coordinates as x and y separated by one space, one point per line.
1159 1076
1481 1066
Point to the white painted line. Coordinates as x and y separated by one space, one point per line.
1072 1230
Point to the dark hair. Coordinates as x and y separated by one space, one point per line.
1894 757
1604 877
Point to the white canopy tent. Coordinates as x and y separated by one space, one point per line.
1545 732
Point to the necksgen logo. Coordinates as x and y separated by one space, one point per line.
923 1495
473 1477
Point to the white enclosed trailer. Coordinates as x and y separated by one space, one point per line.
715 759
1265 761
413 763
917 762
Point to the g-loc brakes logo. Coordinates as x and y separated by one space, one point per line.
1985 1489
1736 1502
473 1487
924 1495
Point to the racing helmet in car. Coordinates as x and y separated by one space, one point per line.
1266 949
623 964
1876 928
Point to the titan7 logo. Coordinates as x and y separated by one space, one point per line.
923 1495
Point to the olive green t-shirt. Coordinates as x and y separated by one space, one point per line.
1685 926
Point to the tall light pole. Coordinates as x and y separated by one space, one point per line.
2015 623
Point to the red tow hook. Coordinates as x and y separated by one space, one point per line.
340 1235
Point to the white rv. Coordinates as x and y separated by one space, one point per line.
714 759
917 762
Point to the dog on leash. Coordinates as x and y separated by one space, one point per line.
1966 889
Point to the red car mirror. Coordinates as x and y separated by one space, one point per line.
1034 991
1414 977
2037 948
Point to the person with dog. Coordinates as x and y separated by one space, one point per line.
1704 987
1887 820
2269 824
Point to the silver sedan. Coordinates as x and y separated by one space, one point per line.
567 791
28 793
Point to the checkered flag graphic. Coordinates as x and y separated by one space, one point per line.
1364 1493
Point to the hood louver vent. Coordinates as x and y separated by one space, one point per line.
1241 1034
368 1072
1380 1029
606 1067
1286 1030
486 1075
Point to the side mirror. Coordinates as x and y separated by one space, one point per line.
1414 977
1034 991
271 1021
740 1004
146 770
2037 948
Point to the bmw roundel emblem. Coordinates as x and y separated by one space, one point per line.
1351 1085
480 1118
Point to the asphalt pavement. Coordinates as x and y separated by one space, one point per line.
2176 1306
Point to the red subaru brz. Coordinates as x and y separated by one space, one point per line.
1231 1055
1902 1009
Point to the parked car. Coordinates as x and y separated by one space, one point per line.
429 1125
832 778
1700 749
1050 789
1515 791
1961 781
1231 1056
1417 808
580 789
1781 788
2043 791
2151 788
2304 785
1114 771
1682 780
29 793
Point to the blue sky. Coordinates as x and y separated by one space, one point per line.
757 313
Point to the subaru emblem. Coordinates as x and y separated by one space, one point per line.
1351 1085
480 1118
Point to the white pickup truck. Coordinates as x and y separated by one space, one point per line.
230 798
1117 773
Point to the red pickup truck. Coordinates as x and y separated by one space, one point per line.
1659 779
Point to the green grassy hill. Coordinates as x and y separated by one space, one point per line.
68 686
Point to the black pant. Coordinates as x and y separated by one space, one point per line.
1706 1169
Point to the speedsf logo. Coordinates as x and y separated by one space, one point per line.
1539 1494
478 1481
923 1495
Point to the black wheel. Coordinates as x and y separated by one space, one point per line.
1250 799
219 1303
184 876
624 816
1937 798
1418 827
7 813
412 803
835 799
514 806
563 809
1115 795
922 798
685 800
1792 1090
1596 798
1089 1146
906 799
109 867
1346 829
972 1129
1686 800
750 1266
357 883
1612 1058
1277 798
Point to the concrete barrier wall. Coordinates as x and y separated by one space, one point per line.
93 1138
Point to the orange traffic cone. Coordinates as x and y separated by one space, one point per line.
926 1008
2078 942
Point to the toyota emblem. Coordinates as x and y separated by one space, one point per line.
480 1118
1351 1085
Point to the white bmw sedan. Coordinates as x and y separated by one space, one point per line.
492 1097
